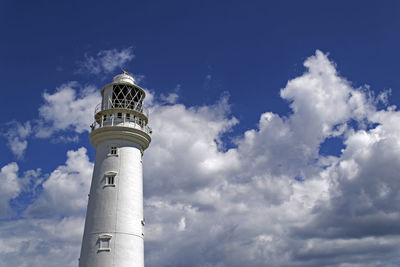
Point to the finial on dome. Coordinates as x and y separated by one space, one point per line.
125 72
125 77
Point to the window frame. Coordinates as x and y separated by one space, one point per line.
110 177
112 149
111 180
104 239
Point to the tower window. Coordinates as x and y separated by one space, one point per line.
110 178
119 115
105 242
104 117
128 116
113 150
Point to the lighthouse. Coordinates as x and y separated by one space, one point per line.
114 225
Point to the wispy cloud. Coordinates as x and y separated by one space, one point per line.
17 134
105 61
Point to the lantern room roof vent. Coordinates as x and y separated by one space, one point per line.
125 77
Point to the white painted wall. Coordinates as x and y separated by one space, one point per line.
118 210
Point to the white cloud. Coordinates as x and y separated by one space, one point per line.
41 242
9 187
50 232
243 206
322 101
65 191
171 98
17 134
69 108
106 61
189 136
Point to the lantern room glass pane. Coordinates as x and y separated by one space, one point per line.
125 96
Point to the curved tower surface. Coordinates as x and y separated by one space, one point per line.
113 234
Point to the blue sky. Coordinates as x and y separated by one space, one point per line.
281 112
249 51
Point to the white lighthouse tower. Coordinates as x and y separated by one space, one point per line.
113 235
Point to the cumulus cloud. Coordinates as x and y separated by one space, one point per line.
365 187
65 191
106 61
64 115
12 184
270 200
10 187
185 135
68 108
50 230
41 242
245 207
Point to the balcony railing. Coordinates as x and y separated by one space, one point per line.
115 121
130 105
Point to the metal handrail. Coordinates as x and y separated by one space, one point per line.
118 122
136 106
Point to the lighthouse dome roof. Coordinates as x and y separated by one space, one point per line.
124 78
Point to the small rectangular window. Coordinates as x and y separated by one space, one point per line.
110 180
119 115
105 242
113 150
128 116
104 117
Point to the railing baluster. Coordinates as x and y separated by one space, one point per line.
135 122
